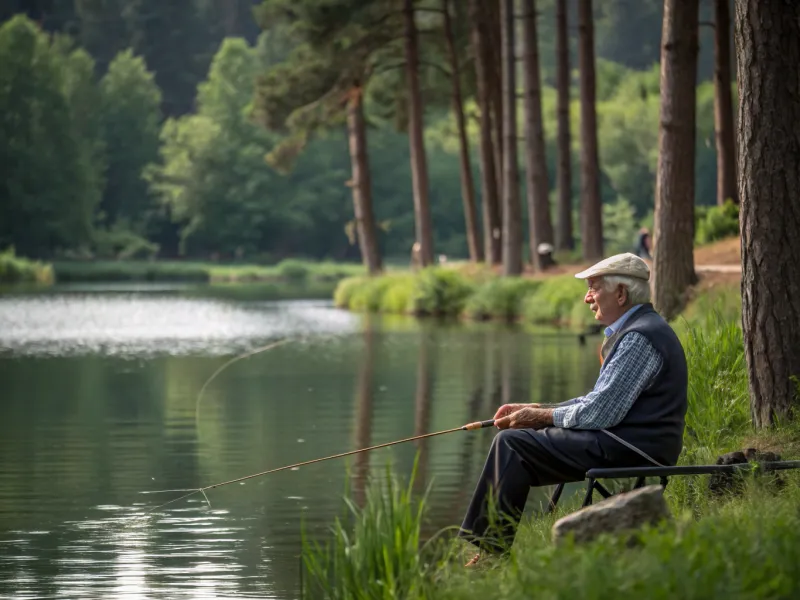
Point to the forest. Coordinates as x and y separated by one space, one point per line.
216 129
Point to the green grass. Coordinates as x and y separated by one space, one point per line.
15 269
289 271
500 298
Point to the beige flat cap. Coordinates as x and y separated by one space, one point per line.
626 264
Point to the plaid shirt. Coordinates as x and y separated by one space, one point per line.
622 378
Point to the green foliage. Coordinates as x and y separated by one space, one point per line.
49 185
375 551
619 227
716 222
500 298
293 270
119 242
555 301
719 398
131 117
440 291
14 269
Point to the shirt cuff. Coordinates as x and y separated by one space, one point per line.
559 414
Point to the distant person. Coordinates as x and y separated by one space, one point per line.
644 244
545 252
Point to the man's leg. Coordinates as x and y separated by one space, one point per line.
517 461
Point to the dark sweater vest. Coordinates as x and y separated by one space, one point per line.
656 421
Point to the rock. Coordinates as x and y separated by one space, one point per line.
620 513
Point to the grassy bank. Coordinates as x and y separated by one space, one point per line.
288 271
15 269
716 547
481 295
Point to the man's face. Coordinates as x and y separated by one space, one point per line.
607 306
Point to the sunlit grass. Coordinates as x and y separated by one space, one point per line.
15 269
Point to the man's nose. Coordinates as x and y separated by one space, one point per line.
588 297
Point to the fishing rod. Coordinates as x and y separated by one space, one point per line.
468 427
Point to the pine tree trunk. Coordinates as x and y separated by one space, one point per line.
564 239
723 105
537 186
419 167
512 213
362 184
494 36
467 185
491 210
591 207
768 54
673 260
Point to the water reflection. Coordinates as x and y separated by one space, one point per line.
85 426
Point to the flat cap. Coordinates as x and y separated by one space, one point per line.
626 264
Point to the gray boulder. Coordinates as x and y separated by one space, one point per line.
618 514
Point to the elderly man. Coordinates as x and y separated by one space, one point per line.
634 416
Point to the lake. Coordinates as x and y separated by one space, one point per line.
100 410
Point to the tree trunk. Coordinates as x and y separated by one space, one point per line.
491 210
768 52
512 217
419 167
591 207
723 105
467 185
537 186
362 184
673 259
494 37
564 240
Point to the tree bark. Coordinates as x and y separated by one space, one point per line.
564 239
591 207
419 167
723 105
362 183
537 187
491 209
768 51
467 185
673 259
512 217
494 36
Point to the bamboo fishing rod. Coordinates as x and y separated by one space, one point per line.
468 427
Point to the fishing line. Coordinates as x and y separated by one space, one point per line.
468 427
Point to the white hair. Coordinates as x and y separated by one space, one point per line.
638 289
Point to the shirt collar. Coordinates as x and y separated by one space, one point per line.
617 325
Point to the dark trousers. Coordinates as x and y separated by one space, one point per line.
518 460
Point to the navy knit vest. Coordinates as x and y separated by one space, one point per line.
655 423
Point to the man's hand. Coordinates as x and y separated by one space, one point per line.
508 409
527 417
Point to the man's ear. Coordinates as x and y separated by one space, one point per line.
622 295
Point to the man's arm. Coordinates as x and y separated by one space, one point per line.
628 373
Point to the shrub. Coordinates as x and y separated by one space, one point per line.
15 269
439 291
554 301
397 296
500 298
293 270
716 222
345 290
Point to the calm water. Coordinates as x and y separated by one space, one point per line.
99 404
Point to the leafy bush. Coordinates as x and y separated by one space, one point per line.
555 300
397 296
343 294
716 222
121 243
293 270
500 297
440 291
15 269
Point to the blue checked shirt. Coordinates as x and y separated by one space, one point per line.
627 374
